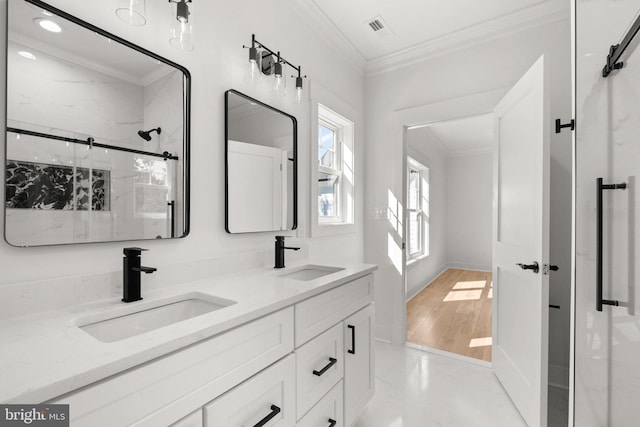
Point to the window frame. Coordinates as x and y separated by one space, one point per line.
337 160
421 211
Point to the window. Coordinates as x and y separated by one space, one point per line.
335 187
151 189
417 209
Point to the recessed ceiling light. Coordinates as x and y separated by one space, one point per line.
48 25
27 55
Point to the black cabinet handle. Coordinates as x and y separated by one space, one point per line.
274 411
353 339
599 255
332 361
332 423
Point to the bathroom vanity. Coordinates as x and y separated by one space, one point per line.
276 348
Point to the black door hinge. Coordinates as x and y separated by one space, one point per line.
560 126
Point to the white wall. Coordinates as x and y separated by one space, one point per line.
217 64
469 209
425 148
496 64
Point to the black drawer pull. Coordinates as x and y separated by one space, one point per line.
332 423
274 411
353 339
332 361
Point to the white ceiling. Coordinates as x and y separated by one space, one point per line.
81 46
469 133
422 26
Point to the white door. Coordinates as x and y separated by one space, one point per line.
255 187
521 236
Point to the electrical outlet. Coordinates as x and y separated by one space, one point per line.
379 213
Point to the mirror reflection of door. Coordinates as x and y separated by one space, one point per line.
261 186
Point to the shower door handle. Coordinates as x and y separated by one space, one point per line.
599 233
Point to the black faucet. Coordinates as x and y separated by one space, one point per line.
131 269
280 247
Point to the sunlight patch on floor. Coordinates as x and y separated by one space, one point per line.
480 342
462 295
474 284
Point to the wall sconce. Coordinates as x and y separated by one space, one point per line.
131 12
267 62
181 31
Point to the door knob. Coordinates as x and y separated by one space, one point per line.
534 267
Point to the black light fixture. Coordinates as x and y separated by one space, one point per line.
271 66
181 31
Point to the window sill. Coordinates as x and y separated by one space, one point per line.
333 228
415 260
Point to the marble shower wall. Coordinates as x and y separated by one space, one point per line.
55 96
607 343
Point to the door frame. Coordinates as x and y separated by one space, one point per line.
423 115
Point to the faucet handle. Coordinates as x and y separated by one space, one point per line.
133 251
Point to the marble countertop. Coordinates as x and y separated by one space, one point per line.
46 355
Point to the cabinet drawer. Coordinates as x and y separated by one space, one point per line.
164 390
326 411
269 396
319 313
192 420
319 366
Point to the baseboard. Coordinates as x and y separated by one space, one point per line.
449 354
440 270
559 377
472 267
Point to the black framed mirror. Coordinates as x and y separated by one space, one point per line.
97 134
261 166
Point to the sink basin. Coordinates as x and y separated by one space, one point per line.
116 327
309 272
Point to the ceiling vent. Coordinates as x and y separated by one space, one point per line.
380 27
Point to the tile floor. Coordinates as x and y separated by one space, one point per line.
419 389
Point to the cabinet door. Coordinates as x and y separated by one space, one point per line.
267 399
359 363
192 420
328 412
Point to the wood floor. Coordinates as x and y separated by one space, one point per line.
453 314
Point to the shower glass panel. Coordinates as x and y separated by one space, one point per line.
607 336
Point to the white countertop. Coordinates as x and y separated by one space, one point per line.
46 355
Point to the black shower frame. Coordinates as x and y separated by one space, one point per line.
186 160
617 50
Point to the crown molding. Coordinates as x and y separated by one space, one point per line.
329 32
531 17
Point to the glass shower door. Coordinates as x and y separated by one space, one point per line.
607 336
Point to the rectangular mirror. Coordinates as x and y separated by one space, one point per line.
261 166
97 134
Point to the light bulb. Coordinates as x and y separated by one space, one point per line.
253 76
299 95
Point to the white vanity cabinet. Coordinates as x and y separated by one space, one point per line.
307 365
267 399
345 313
359 375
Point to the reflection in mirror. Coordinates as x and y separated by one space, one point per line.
261 168
97 134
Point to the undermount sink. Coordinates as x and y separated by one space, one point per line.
115 327
309 272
